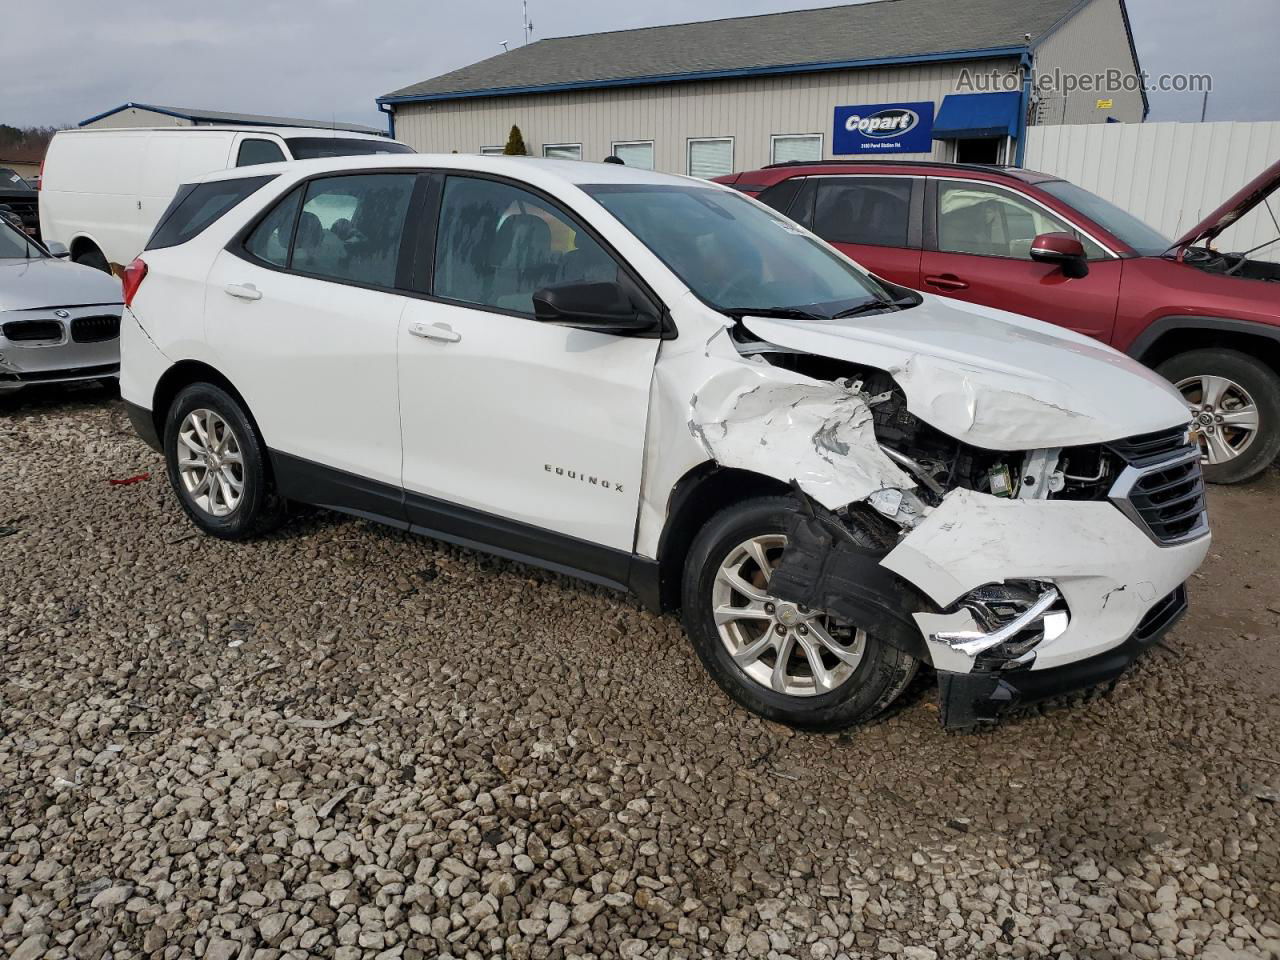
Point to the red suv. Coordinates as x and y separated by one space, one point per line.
1036 245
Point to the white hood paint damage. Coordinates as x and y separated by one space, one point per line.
1047 389
994 379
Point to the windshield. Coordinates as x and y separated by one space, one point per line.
15 246
734 254
13 180
1146 240
315 148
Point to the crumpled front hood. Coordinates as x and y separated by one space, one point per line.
993 379
31 284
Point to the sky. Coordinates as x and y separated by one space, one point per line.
329 59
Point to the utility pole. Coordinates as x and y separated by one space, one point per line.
1204 107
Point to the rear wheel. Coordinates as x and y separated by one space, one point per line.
1234 401
217 464
786 663
91 256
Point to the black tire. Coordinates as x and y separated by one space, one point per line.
1262 385
259 508
91 256
883 673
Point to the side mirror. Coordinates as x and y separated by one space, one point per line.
603 307
58 249
1062 250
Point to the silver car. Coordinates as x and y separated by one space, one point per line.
59 321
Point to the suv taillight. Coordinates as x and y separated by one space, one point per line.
134 274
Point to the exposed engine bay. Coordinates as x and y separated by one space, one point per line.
1232 264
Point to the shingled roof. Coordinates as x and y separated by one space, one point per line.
795 42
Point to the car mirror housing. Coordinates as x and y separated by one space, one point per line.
58 249
604 307
1063 250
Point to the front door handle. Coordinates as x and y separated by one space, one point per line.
435 331
243 291
947 281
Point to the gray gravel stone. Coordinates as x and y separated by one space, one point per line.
412 751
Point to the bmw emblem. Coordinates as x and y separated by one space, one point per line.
61 314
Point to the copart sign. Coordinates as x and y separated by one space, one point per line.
884 128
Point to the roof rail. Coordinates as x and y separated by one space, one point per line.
989 167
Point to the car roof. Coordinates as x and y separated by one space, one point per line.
775 172
533 169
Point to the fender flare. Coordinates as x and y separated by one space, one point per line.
1164 325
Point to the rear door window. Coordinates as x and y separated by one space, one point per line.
195 206
350 227
272 237
869 210
255 151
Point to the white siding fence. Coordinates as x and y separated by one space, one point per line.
1169 174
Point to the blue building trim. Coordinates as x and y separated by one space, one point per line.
391 119
140 106
767 71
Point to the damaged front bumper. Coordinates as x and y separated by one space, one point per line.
967 700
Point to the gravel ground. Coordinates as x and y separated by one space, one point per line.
340 741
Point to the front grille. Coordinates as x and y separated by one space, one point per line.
1164 494
1148 448
95 329
24 331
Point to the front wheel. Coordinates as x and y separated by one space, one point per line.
217 464
1234 401
784 662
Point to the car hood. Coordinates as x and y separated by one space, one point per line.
31 284
1244 200
993 379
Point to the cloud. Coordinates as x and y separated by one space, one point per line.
329 59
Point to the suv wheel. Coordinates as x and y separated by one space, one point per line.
1234 401
783 662
218 465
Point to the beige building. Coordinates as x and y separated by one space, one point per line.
908 79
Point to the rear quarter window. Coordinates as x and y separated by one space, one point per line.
195 206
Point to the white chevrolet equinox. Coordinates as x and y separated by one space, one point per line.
658 384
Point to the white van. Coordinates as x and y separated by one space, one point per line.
103 190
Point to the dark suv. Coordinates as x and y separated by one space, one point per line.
1040 246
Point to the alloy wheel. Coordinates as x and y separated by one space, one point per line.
781 646
210 463
1223 415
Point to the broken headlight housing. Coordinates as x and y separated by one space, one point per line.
1015 619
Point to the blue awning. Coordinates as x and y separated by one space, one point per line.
969 115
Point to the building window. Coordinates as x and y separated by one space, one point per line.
491 151
634 153
562 151
791 147
710 157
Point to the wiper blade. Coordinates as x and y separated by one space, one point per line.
870 306
778 313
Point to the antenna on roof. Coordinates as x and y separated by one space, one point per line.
504 45
528 24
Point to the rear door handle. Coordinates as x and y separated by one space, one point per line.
947 281
243 291
435 331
